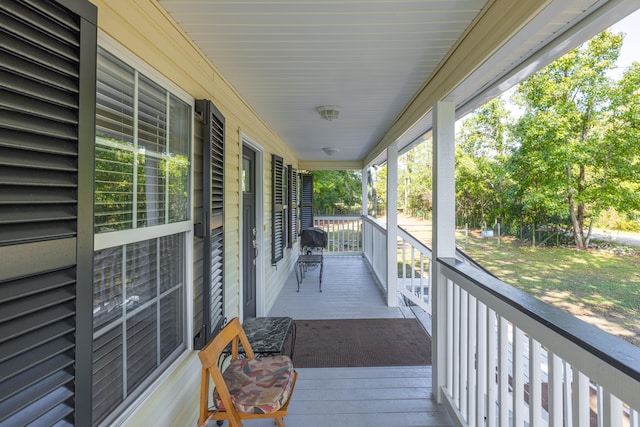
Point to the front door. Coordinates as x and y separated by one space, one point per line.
249 231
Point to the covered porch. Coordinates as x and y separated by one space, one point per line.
399 71
368 396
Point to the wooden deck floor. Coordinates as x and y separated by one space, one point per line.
353 397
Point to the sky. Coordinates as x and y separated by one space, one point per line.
631 47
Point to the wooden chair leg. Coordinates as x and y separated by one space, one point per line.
279 422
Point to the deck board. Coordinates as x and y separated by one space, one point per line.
349 292
398 396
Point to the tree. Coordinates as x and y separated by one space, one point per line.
482 178
414 180
337 191
569 156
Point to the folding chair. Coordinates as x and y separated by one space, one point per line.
248 388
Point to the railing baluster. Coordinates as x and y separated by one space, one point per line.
503 361
481 377
413 270
634 418
555 385
535 383
451 331
492 368
580 399
567 388
518 376
456 345
464 353
612 410
472 360
422 292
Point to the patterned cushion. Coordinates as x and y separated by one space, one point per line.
258 386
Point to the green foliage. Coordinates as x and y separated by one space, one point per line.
337 191
577 155
483 183
125 176
414 181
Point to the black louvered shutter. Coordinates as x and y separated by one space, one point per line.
278 223
306 205
212 227
47 130
293 205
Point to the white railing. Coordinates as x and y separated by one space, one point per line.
374 234
414 277
508 359
344 234
414 259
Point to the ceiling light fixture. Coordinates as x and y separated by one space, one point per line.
328 112
330 151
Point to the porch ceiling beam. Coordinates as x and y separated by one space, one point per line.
495 25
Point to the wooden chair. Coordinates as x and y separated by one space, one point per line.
238 394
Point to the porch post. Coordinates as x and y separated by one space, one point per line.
392 225
365 191
443 232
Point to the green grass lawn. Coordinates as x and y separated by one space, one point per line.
596 285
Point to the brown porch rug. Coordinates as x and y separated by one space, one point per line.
361 343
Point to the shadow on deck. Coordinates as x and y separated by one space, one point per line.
354 397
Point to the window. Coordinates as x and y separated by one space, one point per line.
142 212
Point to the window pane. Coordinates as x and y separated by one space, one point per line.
114 96
151 190
107 286
178 163
171 324
142 273
114 188
172 254
142 348
247 179
179 127
107 374
152 116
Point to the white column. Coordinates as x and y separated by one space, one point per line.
392 225
443 231
365 191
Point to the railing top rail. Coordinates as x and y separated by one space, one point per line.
338 217
615 352
414 242
375 222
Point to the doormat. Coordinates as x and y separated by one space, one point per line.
361 343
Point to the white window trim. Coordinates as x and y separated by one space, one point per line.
119 51
118 238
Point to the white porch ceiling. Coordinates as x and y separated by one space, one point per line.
369 57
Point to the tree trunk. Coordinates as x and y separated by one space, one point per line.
577 230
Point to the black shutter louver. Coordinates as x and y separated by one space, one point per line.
212 227
47 130
277 238
293 205
306 202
